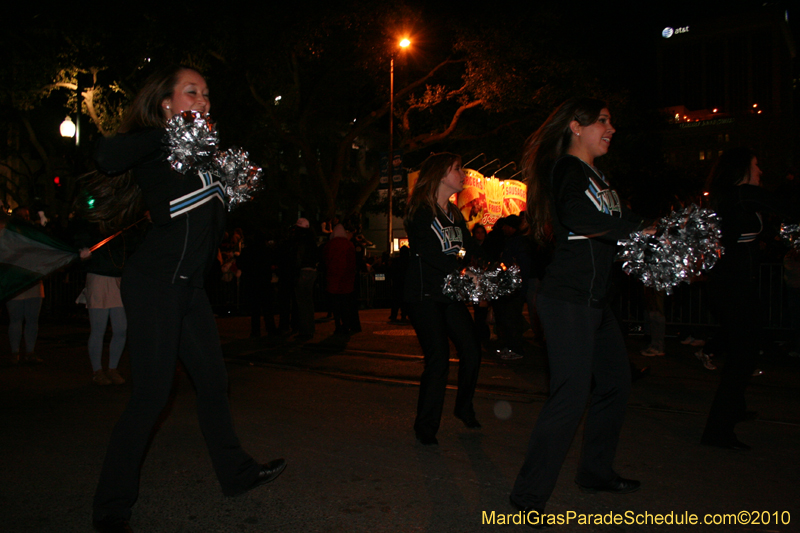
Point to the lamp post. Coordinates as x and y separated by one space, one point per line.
390 164
73 129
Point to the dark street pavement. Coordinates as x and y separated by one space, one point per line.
341 413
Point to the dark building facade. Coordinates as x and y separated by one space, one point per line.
729 82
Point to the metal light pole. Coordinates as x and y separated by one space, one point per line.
390 164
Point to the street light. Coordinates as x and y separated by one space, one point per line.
67 128
404 43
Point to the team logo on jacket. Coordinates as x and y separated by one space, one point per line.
603 198
450 237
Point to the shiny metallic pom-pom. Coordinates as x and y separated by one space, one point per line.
192 140
685 244
482 285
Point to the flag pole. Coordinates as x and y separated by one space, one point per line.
104 241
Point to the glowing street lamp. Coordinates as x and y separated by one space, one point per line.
404 43
67 128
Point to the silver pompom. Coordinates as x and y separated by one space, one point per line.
491 283
790 233
239 177
192 140
461 286
685 244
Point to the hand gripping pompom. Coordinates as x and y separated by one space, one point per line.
192 140
491 284
193 144
685 244
790 233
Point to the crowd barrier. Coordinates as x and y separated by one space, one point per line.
687 306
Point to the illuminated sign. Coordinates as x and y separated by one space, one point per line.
487 199
668 32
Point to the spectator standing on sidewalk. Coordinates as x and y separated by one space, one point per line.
480 310
103 299
23 309
255 262
305 256
340 277
508 309
397 277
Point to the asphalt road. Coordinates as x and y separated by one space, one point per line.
341 414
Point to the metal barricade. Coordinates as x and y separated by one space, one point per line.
689 305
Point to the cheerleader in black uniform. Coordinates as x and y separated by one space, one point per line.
436 234
587 355
169 315
736 195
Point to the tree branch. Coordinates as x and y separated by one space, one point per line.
361 125
424 104
61 85
15 171
88 98
428 138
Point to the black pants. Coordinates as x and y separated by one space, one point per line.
341 305
304 303
510 322
735 303
261 302
352 308
482 330
165 322
588 363
398 306
434 323
286 307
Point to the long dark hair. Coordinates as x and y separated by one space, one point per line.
145 110
731 168
114 202
111 202
431 173
543 148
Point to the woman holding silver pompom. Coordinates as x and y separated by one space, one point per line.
436 234
169 315
588 358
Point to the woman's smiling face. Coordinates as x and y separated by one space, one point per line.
190 93
596 137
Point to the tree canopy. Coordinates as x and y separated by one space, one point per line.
304 90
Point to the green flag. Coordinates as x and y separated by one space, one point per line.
27 255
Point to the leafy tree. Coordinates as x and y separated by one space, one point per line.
306 90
